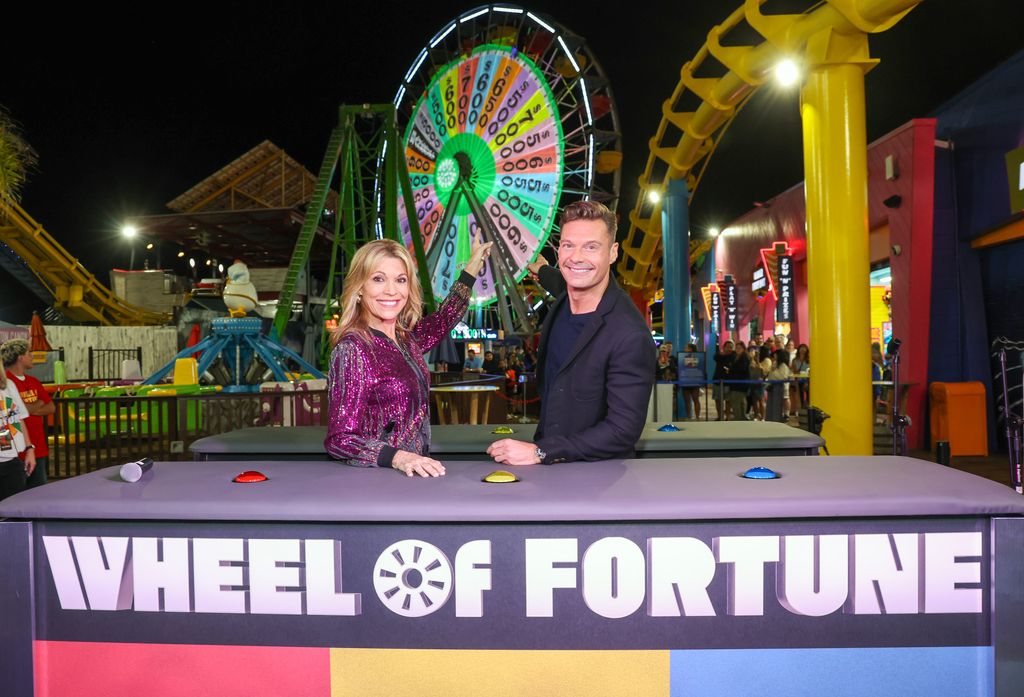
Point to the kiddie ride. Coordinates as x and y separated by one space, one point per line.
234 358
236 355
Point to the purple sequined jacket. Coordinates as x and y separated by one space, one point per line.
379 391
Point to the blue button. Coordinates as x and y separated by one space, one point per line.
761 473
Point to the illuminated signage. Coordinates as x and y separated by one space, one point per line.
786 291
464 331
712 305
1015 178
760 281
731 306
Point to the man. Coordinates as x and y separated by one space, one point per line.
723 365
595 368
473 364
17 359
491 366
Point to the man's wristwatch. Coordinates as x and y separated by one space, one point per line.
540 454
29 447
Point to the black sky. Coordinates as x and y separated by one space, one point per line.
127 111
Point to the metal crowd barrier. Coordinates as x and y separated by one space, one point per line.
708 394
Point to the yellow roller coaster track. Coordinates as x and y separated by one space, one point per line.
77 294
686 140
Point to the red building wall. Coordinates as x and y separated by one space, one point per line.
782 219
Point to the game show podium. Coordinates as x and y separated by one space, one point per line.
846 575
469 442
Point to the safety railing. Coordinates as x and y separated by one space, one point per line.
719 392
88 433
105 363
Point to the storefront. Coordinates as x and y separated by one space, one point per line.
946 234
764 253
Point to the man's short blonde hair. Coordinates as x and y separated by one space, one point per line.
11 350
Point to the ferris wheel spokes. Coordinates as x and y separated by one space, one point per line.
499 264
524 99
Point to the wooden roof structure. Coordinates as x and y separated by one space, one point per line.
252 208
264 177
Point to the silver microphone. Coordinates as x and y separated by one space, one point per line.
132 472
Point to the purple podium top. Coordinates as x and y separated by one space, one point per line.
654 489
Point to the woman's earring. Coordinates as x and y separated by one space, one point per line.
359 298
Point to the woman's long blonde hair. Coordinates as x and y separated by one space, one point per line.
366 260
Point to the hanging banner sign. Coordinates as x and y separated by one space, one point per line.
731 308
760 281
716 310
784 307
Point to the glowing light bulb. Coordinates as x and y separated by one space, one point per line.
787 72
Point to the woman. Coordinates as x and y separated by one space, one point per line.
691 395
755 394
801 366
17 454
780 372
379 387
665 370
765 360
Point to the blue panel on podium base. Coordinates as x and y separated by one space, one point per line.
958 671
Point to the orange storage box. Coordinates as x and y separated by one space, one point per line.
959 415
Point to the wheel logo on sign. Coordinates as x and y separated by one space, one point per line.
413 578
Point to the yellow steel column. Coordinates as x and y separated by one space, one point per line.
838 259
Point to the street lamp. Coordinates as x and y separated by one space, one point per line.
787 72
130 232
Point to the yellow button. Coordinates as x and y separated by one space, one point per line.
500 477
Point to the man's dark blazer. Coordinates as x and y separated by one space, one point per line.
597 403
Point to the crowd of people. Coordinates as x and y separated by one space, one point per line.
509 362
744 377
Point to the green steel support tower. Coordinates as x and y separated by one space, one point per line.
365 153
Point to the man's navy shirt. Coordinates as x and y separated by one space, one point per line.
565 329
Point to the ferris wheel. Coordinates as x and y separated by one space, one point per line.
507 117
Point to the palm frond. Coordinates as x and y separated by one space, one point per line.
17 158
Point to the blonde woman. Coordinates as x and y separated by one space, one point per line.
17 454
378 384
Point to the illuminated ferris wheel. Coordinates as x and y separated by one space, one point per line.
507 117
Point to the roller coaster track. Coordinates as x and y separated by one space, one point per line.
37 260
686 139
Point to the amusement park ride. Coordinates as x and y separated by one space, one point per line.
507 116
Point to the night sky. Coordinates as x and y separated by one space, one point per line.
126 112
